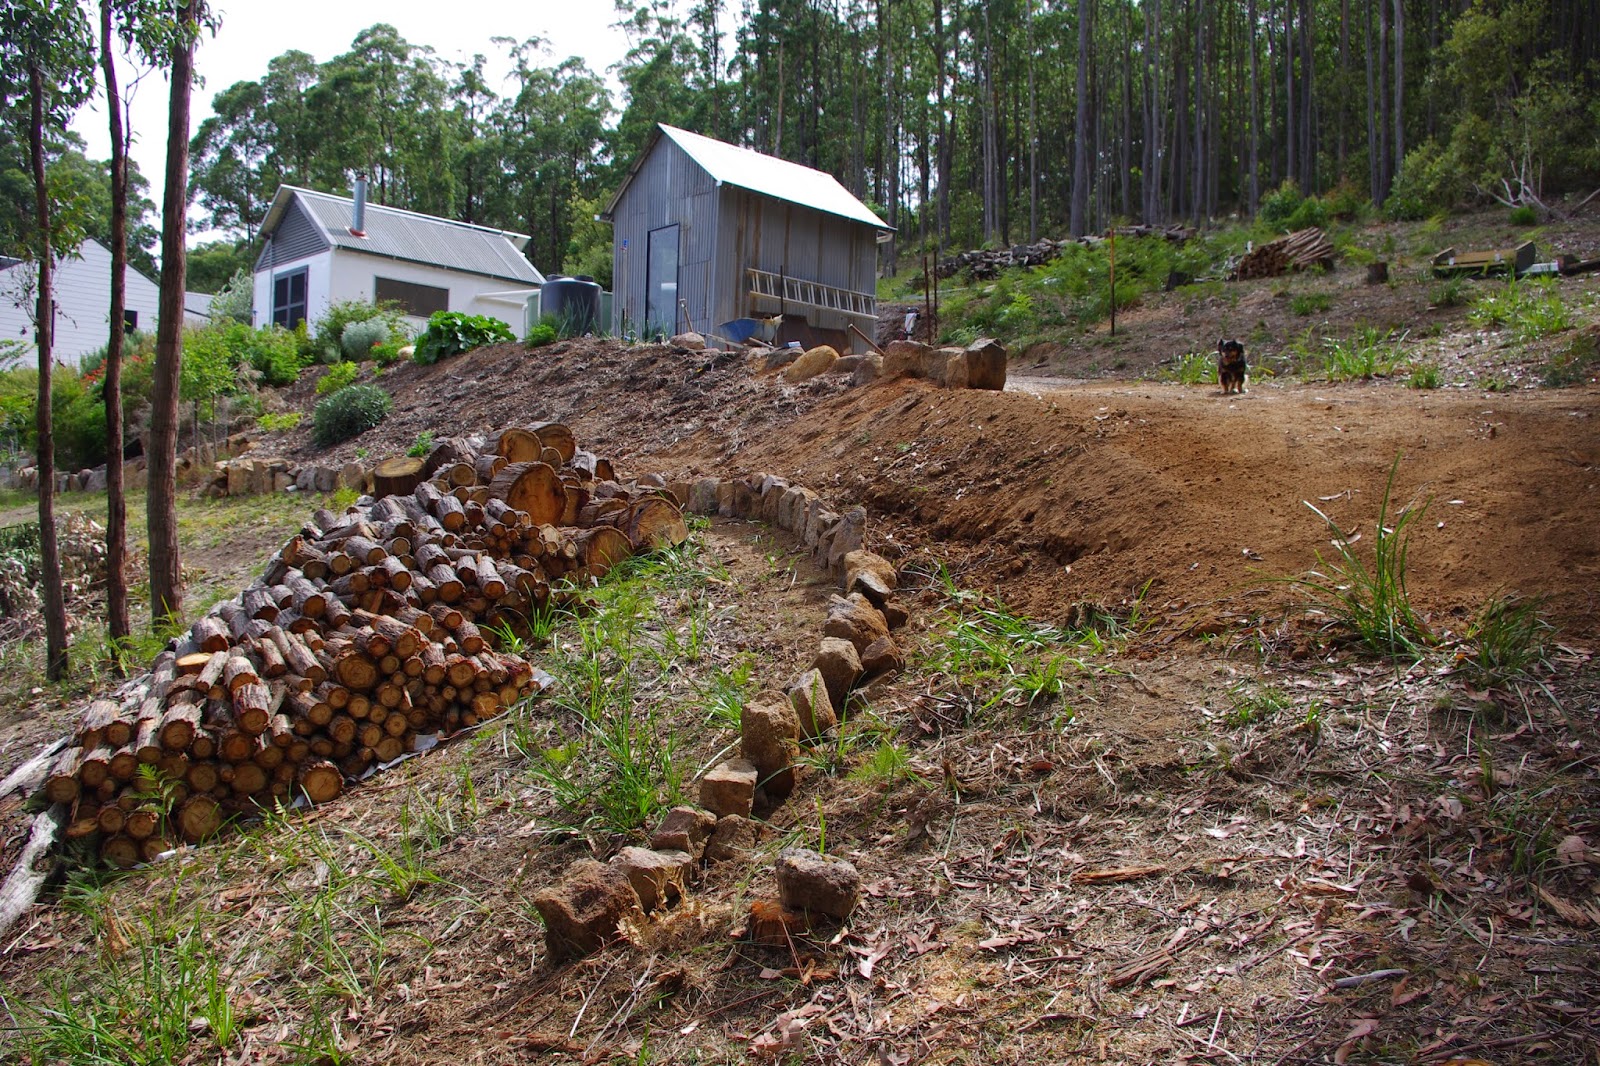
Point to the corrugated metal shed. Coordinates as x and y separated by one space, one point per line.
406 235
706 233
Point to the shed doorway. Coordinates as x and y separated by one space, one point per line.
661 282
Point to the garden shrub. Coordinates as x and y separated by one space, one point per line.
336 377
540 335
1278 205
452 332
347 413
359 338
326 345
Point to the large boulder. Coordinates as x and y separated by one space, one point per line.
905 359
949 367
690 340
986 364
867 371
871 575
818 360
585 910
817 884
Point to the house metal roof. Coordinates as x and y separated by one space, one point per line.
411 236
729 164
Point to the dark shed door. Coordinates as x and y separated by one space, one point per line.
661 282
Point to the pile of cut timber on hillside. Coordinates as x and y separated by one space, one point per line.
366 630
1300 250
984 264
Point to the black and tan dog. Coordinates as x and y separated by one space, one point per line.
1232 372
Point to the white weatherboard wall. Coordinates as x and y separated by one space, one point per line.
340 275
355 277
318 297
83 303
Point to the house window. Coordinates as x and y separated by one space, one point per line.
420 301
289 299
130 320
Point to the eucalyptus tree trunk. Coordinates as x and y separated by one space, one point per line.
1399 86
55 607
1078 221
117 623
1255 115
1380 114
166 575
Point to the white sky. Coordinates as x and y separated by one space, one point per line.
253 32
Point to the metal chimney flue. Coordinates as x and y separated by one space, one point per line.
358 221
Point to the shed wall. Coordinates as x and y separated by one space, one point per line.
296 237
761 233
669 189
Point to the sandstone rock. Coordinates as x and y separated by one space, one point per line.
986 364
816 361
281 481
871 575
905 359
895 615
703 496
238 471
772 490
684 829
845 364
95 480
808 694
730 788
769 732
305 479
792 508
651 481
818 519
657 877
846 536
950 367
585 909
816 884
691 340
351 476
840 666
727 498
734 838
853 618
327 479
747 496
867 371
777 358
883 656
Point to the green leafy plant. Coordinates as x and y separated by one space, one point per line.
336 377
452 332
326 345
1366 355
1310 303
1574 364
1529 308
1370 600
1452 292
539 335
422 445
1505 641
1194 368
1524 215
1423 376
279 423
348 412
358 338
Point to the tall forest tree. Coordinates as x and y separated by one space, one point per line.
46 72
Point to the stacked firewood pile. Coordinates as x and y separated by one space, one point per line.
366 630
1301 250
985 264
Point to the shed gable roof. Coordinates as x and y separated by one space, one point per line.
729 164
408 235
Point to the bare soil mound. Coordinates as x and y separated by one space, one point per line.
1054 492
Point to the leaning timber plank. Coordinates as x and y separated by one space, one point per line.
29 874
31 774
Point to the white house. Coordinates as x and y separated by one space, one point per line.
320 249
82 283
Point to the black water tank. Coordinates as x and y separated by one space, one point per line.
574 303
